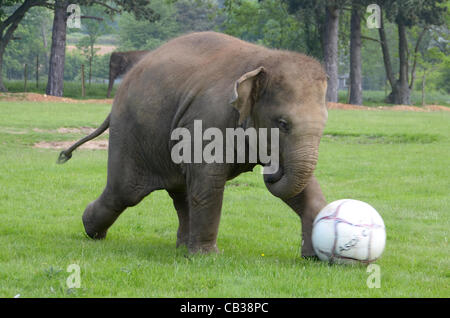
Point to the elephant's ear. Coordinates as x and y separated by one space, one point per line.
246 91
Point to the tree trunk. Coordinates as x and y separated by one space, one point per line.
45 44
2 86
403 92
91 58
55 85
387 62
355 58
423 88
331 52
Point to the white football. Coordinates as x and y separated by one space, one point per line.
348 231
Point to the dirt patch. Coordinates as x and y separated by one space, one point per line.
13 131
402 108
80 130
64 130
331 105
34 97
93 145
437 108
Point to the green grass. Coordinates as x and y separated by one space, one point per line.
396 161
377 98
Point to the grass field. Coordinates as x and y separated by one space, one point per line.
396 161
377 98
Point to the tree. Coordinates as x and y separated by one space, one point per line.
429 62
9 21
28 46
330 49
94 29
266 22
197 15
355 55
326 14
58 49
55 82
135 34
406 14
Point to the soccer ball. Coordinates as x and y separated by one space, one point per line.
348 231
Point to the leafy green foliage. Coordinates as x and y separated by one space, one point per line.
196 15
94 29
267 22
175 18
72 67
29 44
413 12
140 8
143 34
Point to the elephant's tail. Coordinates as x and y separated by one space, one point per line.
65 155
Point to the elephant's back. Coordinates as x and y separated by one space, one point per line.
183 66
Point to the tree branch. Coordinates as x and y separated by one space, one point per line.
90 17
106 6
369 38
416 49
12 22
386 55
20 13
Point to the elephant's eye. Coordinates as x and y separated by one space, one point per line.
283 125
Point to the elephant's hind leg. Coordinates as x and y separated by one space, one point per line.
100 214
103 212
126 187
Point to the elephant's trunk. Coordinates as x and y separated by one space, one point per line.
296 167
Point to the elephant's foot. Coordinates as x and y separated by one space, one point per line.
91 226
307 248
182 240
311 258
308 253
97 219
204 248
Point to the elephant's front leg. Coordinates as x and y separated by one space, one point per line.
180 201
205 194
307 205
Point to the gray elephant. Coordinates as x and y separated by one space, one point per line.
225 83
120 63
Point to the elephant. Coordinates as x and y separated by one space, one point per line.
226 83
120 63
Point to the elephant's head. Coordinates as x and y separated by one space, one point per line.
286 93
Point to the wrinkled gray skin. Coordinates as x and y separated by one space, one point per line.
120 63
225 82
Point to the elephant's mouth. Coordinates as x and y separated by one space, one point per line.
275 177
